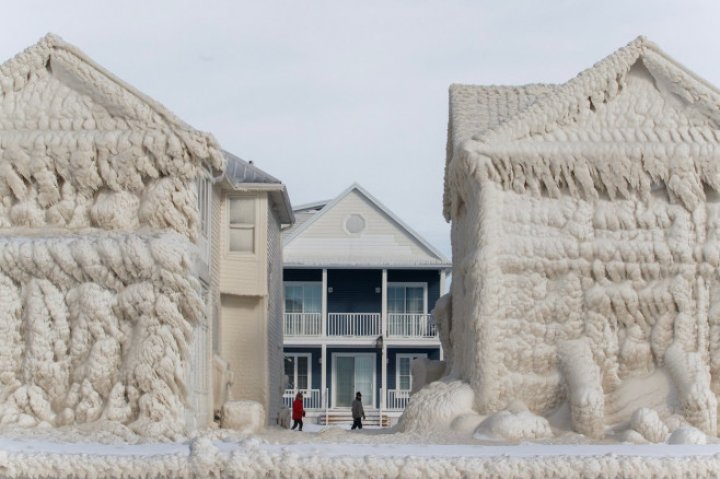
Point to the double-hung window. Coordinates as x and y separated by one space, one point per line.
241 217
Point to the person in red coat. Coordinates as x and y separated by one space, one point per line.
298 411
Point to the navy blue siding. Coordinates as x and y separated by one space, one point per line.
354 291
302 275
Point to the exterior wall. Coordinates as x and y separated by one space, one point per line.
245 273
275 307
244 339
382 241
302 274
354 291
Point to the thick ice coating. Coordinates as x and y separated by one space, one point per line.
98 215
586 245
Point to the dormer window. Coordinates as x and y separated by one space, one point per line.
241 237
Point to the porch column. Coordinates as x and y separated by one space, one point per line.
442 282
323 375
383 359
323 307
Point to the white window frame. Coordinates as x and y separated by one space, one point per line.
295 371
422 285
303 283
334 377
400 356
229 227
203 190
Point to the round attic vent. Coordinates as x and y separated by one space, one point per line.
354 224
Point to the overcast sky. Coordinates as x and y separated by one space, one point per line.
325 93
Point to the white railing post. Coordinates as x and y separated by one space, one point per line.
327 403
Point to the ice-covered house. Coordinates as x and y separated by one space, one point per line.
359 287
249 209
586 243
109 256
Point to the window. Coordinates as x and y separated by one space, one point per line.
303 297
297 370
204 189
403 376
408 298
241 225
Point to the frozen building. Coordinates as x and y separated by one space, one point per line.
110 252
586 244
359 286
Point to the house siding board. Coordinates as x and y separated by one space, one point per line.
383 241
274 304
245 274
354 291
302 275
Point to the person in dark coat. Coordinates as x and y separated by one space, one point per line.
298 411
358 413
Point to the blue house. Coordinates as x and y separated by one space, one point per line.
359 286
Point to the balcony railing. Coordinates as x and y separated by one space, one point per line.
397 399
359 325
354 324
312 399
411 326
303 324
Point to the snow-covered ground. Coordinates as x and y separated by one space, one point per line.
337 452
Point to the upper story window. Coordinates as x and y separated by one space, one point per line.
303 297
242 212
407 298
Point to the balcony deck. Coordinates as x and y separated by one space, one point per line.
359 325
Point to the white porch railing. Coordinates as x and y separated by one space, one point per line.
353 324
302 324
397 399
312 399
411 326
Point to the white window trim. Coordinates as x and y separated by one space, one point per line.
295 371
204 237
255 228
334 377
412 356
303 283
424 286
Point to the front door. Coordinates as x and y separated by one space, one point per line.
353 372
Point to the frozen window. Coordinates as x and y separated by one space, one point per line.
204 189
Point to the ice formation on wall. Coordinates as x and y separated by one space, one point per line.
586 246
98 214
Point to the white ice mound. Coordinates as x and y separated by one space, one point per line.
649 425
514 426
435 406
245 416
687 435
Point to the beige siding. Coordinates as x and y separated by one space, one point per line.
274 316
245 274
382 240
244 345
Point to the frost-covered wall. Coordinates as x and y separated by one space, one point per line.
98 219
586 247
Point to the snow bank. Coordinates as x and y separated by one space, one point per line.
514 426
243 415
434 407
649 425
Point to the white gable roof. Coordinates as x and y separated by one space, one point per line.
615 129
355 230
